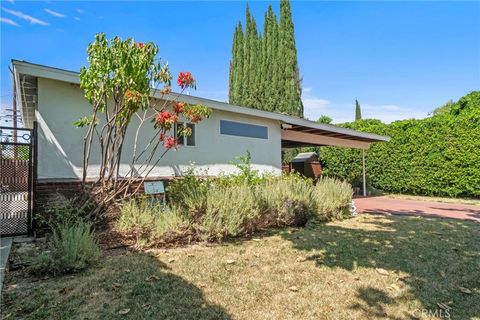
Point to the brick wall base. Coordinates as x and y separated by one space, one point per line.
49 189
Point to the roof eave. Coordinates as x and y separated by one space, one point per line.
37 70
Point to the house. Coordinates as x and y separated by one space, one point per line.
52 98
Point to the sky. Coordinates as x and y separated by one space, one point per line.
399 59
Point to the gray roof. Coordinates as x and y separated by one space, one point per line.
36 70
304 156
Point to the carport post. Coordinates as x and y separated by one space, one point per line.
363 172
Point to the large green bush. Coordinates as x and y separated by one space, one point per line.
435 156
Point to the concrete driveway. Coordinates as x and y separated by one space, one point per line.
417 207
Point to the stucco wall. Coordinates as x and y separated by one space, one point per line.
60 150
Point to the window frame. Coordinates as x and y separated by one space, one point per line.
243 129
183 140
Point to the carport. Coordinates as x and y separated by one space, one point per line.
297 133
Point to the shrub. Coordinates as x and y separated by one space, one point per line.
137 217
230 211
41 263
171 224
62 211
150 221
287 200
333 199
71 248
189 192
215 209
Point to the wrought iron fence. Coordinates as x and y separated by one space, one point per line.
16 180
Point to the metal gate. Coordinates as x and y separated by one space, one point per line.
16 180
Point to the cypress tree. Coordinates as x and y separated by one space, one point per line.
264 69
236 66
290 79
251 61
231 71
271 75
358 112
275 90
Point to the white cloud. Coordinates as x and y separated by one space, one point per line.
24 16
55 13
315 106
389 113
8 21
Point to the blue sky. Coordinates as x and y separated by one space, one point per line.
399 59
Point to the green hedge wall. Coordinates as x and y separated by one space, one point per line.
435 156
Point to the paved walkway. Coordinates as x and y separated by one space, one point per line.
5 246
418 207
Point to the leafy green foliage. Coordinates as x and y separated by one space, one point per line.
436 156
116 66
324 119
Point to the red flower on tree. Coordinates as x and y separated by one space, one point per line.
139 45
194 116
162 136
166 118
179 107
171 142
185 80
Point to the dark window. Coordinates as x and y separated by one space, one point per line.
243 129
191 138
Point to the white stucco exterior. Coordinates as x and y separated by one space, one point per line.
60 144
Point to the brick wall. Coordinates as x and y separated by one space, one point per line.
48 189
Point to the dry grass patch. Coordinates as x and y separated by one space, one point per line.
373 267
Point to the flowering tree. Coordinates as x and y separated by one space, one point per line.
118 83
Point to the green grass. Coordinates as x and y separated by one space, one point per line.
368 267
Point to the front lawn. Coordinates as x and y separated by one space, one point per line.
371 266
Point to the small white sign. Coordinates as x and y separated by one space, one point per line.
154 187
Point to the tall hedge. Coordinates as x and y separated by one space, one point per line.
435 156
